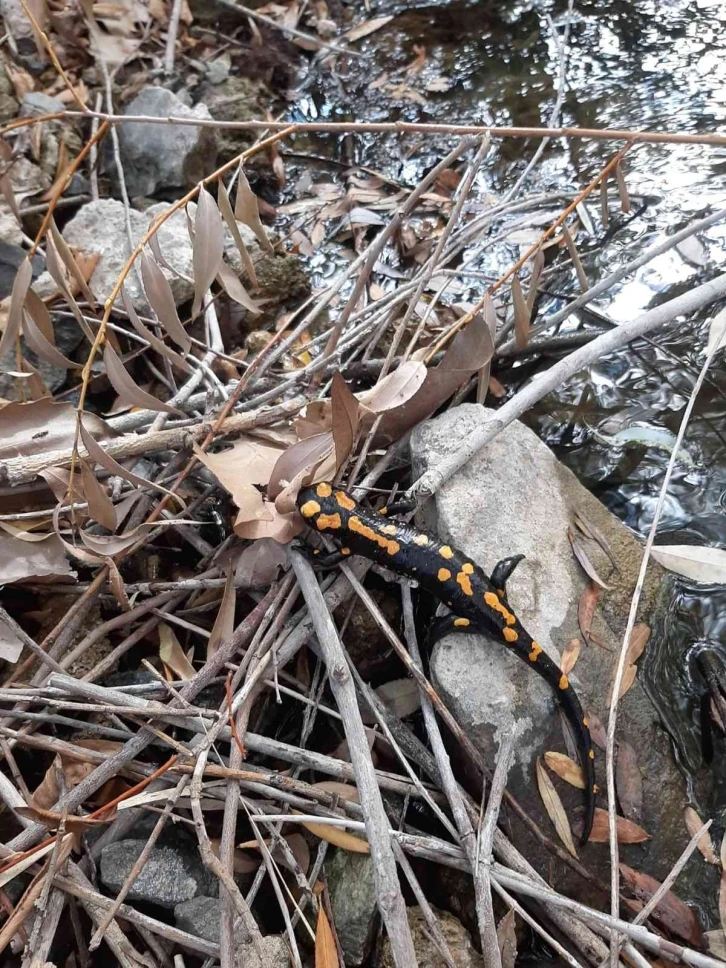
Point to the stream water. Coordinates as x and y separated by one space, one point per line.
638 65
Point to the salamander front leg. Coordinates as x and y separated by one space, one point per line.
447 625
503 572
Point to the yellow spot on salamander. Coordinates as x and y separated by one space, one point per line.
384 510
344 501
564 682
324 489
462 623
446 552
389 529
510 635
467 568
595 788
591 754
585 722
309 508
329 522
364 530
492 600
465 582
421 540
444 574
345 551
536 649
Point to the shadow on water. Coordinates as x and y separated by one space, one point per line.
642 65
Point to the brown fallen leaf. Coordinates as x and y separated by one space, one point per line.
172 654
74 771
521 314
52 820
507 940
565 768
586 609
670 913
627 831
597 731
580 550
326 953
129 392
705 844
345 417
630 674
629 781
570 656
224 623
366 28
638 640
338 836
554 807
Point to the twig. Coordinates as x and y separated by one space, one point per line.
171 33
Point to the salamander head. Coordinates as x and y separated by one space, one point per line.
324 507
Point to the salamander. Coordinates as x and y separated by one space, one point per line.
478 603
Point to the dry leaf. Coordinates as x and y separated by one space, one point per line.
259 564
33 428
586 609
566 769
705 844
638 640
161 299
224 623
172 654
33 561
71 265
225 208
247 462
326 954
235 290
554 807
53 820
597 731
630 674
570 656
338 836
344 410
704 565
521 314
671 913
21 284
622 189
401 696
11 645
575 256
131 394
247 211
301 458
75 770
42 348
272 524
629 781
507 940
579 548
366 28
153 340
207 247
627 831
100 505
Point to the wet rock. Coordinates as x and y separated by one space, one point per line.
353 897
100 227
233 98
515 497
163 155
457 938
170 875
201 916
282 280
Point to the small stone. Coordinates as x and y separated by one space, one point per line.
218 69
200 916
8 101
170 875
353 898
36 103
457 938
164 155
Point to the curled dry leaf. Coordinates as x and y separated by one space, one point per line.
129 393
627 831
40 426
43 348
21 284
298 460
207 247
704 565
247 211
100 505
705 844
38 310
580 551
172 654
629 781
565 768
259 564
43 560
228 215
154 342
570 655
224 623
554 807
161 300
108 545
670 912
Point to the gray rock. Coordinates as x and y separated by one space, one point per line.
8 101
170 875
457 938
353 897
164 155
35 103
100 227
17 22
275 953
201 916
515 497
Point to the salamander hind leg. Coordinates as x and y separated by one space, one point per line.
447 625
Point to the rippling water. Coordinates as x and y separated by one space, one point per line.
639 65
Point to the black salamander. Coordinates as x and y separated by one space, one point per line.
477 603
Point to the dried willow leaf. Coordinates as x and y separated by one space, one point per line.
43 349
172 654
100 505
33 561
107 545
570 655
705 844
338 836
208 247
21 284
38 310
71 265
301 457
670 911
507 940
586 609
622 189
154 342
627 832
566 769
629 781
234 288
247 211
225 208
704 565
52 820
638 640
604 216
128 391
117 585
537 266
326 953
630 674
161 299
579 549
224 623
345 417
54 266
522 314
575 256
554 807
366 28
